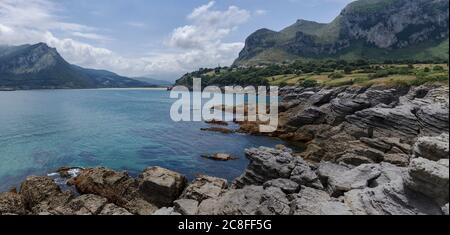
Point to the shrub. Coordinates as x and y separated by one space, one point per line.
348 70
336 75
309 83
380 74
438 68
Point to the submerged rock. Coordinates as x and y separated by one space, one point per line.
220 157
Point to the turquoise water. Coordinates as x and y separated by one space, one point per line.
41 131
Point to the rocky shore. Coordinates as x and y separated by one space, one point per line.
369 151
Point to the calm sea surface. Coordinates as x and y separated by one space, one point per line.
41 131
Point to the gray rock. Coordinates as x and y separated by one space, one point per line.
445 209
186 206
286 185
387 195
432 148
266 164
357 178
250 200
302 174
316 202
205 187
166 211
429 178
160 186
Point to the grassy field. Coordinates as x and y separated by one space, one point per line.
417 74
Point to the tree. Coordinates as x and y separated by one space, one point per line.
348 70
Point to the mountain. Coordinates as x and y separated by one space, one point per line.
41 67
366 29
154 82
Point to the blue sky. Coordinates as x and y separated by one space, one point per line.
160 38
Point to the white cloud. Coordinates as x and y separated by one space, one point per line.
260 12
199 44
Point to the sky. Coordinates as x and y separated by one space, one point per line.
157 38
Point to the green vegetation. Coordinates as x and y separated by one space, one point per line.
331 73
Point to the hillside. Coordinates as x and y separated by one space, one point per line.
41 67
374 30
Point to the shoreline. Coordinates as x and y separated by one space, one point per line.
363 157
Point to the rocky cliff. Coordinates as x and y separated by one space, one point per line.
365 29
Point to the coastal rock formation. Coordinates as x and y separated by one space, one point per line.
118 187
205 187
161 186
369 151
11 204
268 164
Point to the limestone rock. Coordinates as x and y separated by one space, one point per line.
316 202
186 206
41 194
340 182
429 178
205 187
250 200
87 204
286 185
161 186
111 209
432 148
12 203
166 211
445 209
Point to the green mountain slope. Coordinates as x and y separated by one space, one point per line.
374 30
41 67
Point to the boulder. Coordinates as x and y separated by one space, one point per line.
268 164
204 187
339 182
160 186
87 204
286 185
429 178
311 201
445 209
12 203
432 148
250 200
387 195
166 211
186 206
42 195
118 187
220 157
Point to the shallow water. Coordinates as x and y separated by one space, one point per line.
41 131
